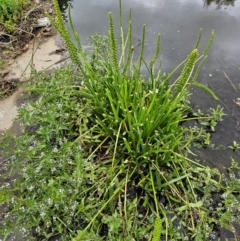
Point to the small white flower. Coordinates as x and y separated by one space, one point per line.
59 105
37 229
30 188
38 169
55 150
80 148
61 190
22 208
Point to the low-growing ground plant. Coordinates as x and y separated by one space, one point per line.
18 25
104 153
10 9
2 63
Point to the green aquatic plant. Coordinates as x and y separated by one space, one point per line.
235 146
108 150
73 183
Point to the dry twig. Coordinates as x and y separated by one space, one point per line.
234 87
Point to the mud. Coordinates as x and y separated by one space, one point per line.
8 111
42 53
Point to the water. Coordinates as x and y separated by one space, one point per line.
178 22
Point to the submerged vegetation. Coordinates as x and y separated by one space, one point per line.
105 154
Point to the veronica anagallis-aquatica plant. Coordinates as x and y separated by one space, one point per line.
140 120
143 115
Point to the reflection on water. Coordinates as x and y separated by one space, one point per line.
64 4
219 2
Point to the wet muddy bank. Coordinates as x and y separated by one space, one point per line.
43 56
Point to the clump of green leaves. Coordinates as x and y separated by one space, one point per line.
108 150
51 132
129 108
69 179
9 9
9 25
2 63
235 146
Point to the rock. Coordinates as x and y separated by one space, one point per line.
43 22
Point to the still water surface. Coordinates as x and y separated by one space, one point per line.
178 22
